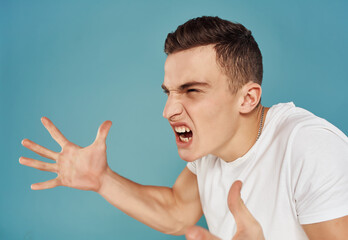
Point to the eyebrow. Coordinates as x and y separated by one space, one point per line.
188 85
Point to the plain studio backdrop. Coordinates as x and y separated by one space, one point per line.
83 62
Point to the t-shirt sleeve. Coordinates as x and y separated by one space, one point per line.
192 166
319 171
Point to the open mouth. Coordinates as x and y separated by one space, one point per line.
184 133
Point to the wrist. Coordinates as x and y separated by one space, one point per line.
104 178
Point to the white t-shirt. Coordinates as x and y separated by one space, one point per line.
296 173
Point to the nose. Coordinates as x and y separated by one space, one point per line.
173 109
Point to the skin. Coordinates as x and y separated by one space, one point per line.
169 210
222 123
249 229
235 119
247 226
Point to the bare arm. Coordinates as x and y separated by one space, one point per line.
169 210
336 229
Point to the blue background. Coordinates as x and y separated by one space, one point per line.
82 62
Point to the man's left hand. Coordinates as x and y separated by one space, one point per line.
247 226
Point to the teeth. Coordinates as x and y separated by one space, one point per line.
185 139
182 129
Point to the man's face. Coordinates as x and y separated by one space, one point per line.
201 108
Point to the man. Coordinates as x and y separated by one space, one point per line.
292 164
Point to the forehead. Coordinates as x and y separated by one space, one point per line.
196 64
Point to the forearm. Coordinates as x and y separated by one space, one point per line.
151 205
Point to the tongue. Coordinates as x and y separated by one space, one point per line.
186 134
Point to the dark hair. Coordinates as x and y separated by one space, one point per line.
237 52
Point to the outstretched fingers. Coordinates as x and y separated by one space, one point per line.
42 151
103 131
43 166
54 131
46 185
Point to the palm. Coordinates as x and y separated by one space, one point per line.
76 167
81 167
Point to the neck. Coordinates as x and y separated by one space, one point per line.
245 136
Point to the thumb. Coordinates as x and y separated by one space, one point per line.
198 233
240 212
103 131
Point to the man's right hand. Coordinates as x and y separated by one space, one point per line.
77 167
169 210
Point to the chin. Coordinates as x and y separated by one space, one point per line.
187 156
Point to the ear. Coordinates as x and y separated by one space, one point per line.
250 97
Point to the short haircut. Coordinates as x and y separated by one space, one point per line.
237 52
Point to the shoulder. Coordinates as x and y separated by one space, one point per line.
319 151
317 154
295 123
313 145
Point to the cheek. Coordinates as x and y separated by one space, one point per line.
215 121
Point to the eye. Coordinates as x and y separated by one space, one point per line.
192 90
166 92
